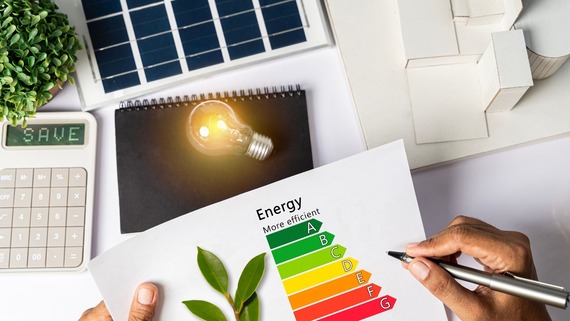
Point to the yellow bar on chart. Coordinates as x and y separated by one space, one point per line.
319 275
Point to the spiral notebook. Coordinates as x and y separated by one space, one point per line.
161 176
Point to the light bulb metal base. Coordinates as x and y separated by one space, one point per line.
260 147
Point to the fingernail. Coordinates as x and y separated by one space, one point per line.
145 296
419 270
413 244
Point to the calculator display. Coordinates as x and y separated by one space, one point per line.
46 135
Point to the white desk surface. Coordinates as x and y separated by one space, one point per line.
523 188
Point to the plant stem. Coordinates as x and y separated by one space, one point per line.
231 301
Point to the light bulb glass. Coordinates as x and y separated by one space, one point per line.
213 128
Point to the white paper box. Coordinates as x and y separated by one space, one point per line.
504 71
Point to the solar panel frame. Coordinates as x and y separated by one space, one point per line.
148 45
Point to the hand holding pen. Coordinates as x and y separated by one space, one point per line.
498 251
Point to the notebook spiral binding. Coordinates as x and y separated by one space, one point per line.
193 100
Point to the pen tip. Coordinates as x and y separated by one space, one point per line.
397 255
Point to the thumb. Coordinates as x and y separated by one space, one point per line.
444 287
144 303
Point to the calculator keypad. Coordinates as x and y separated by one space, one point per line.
42 217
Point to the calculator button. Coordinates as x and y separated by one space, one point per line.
40 197
42 177
19 258
24 177
56 237
38 237
37 257
5 217
39 216
4 258
59 177
76 216
54 257
76 196
6 197
5 236
73 256
74 236
21 217
77 177
7 178
20 237
57 216
58 196
23 197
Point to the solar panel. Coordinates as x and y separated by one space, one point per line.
137 46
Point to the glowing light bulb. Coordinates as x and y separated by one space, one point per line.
213 128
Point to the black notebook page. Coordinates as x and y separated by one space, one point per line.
161 176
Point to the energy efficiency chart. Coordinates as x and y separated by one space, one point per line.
320 282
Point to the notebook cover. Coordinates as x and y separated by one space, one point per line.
161 176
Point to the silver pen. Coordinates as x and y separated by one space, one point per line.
507 283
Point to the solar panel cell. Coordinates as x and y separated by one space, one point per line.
139 3
108 32
116 60
240 27
99 8
159 57
150 21
201 46
283 23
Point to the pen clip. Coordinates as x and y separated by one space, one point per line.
546 285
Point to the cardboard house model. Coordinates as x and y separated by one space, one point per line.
465 58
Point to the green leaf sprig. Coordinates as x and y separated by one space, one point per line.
245 302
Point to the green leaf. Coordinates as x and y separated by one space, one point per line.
6 80
205 310
10 30
6 22
15 38
23 77
48 86
250 311
56 61
7 11
56 33
213 270
249 280
31 61
33 34
35 20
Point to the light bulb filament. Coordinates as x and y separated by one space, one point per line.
204 131
222 124
214 129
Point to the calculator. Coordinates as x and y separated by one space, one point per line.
47 176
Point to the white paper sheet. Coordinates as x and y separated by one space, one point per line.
447 103
366 201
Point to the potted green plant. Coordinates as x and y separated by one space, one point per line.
37 54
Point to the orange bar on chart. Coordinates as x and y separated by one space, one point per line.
337 303
331 288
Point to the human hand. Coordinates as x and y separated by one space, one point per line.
142 308
498 251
